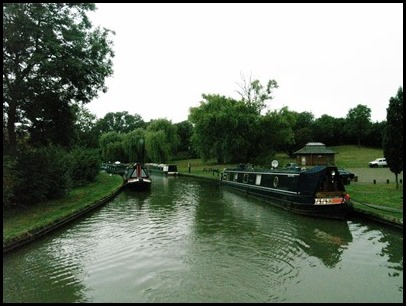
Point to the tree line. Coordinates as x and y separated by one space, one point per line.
55 62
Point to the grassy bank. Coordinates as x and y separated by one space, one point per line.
381 200
21 223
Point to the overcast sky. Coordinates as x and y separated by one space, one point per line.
326 58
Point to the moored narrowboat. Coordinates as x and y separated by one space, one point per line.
167 169
137 178
318 191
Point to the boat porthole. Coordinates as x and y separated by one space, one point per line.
275 181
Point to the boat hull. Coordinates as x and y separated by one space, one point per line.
139 185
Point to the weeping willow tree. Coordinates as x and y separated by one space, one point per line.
161 140
133 145
157 147
111 145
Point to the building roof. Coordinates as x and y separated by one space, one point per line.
315 148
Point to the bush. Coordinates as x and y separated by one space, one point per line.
84 166
9 181
42 174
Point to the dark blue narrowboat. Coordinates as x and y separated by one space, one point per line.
318 191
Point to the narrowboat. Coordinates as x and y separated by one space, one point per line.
167 169
318 191
137 178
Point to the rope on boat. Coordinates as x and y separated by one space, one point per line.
383 208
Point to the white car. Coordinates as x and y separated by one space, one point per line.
379 162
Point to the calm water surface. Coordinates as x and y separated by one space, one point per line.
188 240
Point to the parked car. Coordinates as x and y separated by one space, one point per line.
345 175
379 162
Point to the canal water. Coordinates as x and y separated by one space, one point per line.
188 240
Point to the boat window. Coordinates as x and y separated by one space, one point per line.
258 179
275 181
245 178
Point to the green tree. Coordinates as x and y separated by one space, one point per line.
323 130
157 147
50 50
224 129
133 143
185 132
359 121
161 140
120 122
52 121
254 94
393 137
275 134
376 134
86 135
112 148
302 130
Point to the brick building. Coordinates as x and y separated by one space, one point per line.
315 154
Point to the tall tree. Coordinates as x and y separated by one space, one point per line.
275 133
302 130
254 94
50 49
359 121
112 147
86 133
52 121
323 130
185 131
393 137
224 129
161 140
133 144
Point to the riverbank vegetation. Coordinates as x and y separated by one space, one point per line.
23 221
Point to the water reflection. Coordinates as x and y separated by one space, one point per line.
324 239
